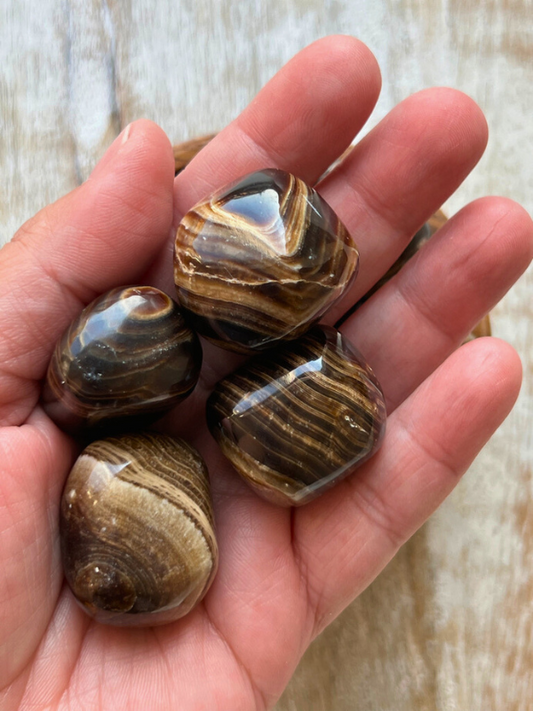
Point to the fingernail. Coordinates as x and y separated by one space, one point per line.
112 151
125 134
125 145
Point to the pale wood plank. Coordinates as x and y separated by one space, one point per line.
36 155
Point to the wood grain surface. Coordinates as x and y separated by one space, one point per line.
449 623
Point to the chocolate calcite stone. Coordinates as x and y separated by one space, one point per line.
128 358
297 420
260 261
137 530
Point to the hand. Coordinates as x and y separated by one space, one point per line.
284 574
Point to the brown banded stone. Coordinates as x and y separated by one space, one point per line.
137 530
295 421
128 358
260 261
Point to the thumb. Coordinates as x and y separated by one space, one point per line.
103 234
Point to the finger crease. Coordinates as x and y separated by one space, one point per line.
260 698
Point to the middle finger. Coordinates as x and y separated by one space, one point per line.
399 174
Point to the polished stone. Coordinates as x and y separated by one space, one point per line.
298 419
128 358
260 261
137 532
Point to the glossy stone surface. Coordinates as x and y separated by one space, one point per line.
295 421
260 261
137 537
128 358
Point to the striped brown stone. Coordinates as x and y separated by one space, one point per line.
128 358
295 421
260 261
137 529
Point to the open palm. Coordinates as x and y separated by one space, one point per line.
284 574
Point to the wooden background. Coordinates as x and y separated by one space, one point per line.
448 625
